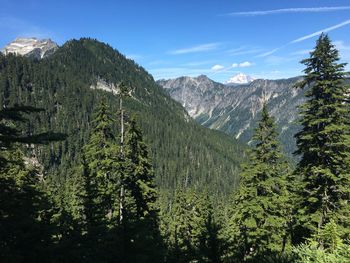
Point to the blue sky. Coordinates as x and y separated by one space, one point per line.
265 39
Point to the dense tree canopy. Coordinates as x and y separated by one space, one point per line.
101 194
324 142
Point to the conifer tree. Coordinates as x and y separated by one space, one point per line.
258 221
323 142
102 182
141 220
120 192
24 207
24 212
140 181
11 133
191 232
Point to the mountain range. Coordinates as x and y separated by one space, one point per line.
236 110
74 78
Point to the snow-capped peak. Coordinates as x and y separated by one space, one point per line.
38 48
240 78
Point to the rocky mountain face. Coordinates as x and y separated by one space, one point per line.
31 47
236 110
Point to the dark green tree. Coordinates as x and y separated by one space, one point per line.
140 181
190 228
100 174
24 212
323 142
140 216
11 131
101 154
258 223
24 209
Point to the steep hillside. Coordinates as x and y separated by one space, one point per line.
70 83
235 110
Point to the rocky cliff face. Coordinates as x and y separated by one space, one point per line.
235 110
195 94
32 47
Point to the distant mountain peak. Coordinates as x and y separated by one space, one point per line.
31 46
202 77
240 78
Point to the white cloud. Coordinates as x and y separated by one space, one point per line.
196 49
217 67
291 10
300 39
340 45
325 30
243 51
245 64
268 53
344 50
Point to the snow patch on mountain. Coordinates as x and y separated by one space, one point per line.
39 48
239 79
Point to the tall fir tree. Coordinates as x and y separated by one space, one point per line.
323 142
102 184
120 195
140 181
258 223
141 214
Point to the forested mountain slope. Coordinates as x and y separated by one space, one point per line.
69 85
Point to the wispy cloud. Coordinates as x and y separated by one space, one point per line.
268 53
325 30
217 67
243 51
196 49
303 38
291 10
344 50
222 69
301 52
244 64
340 45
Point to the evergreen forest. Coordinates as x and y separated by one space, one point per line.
99 164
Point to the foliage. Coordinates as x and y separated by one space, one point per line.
324 142
325 246
259 215
64 85
190 228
